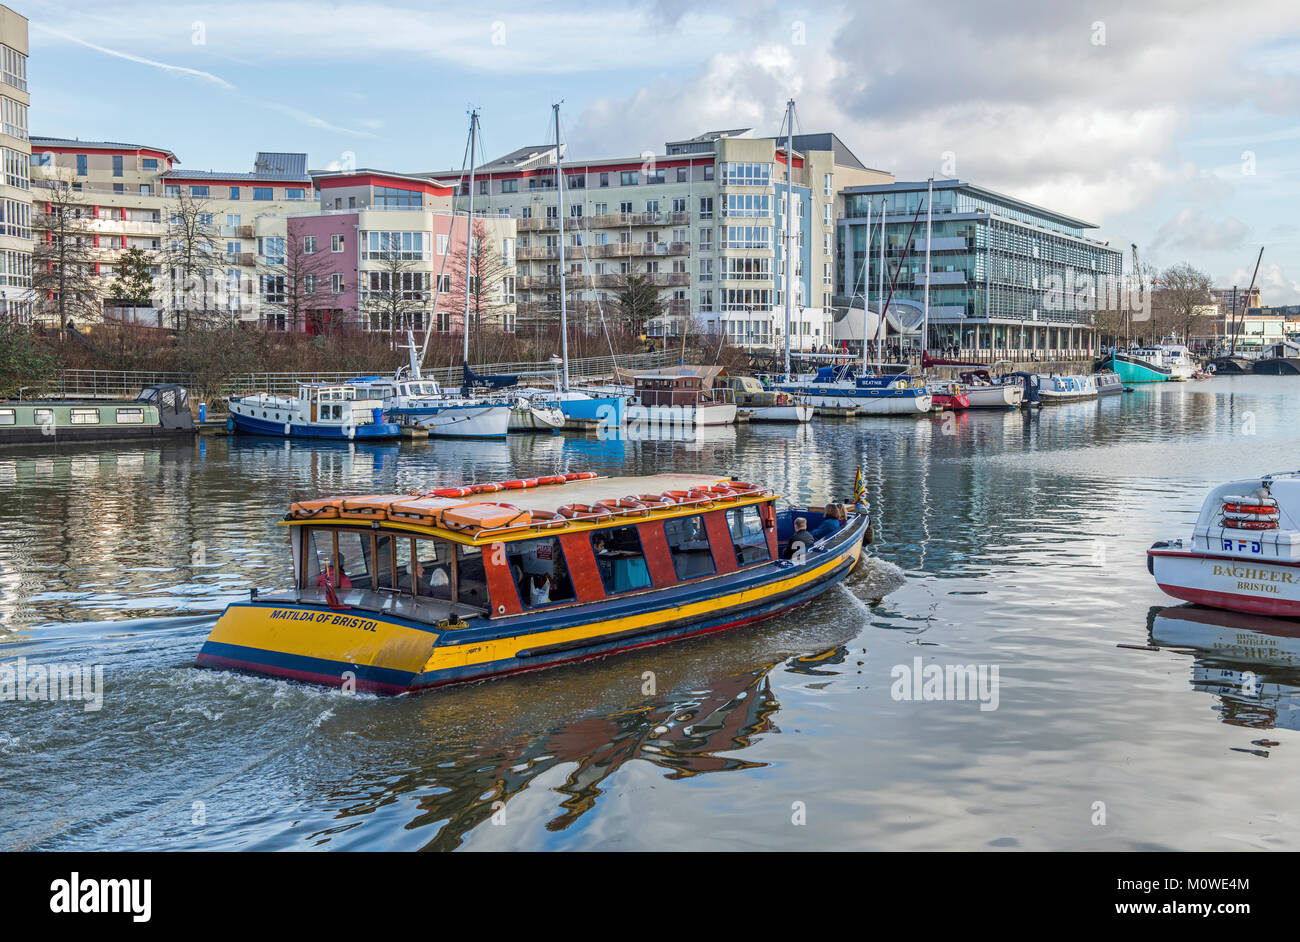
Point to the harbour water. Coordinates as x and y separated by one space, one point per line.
1011 543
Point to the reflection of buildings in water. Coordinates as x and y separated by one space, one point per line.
323 465
1251 663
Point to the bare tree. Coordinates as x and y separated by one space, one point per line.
295 286
189 257
1181 299
394 296
487 271
63 260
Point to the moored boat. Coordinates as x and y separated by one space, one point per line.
319 410
1108 383
1057 388
1244 554
1134 367
948 394
421 403
763 405
677 399
982 392
830 388
397 593
161 409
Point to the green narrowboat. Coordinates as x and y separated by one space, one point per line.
162 409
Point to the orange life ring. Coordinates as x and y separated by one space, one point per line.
574 511
548 518
1250 524
452 492
674 497
490 488
1250 508
580 475
551 479
653 501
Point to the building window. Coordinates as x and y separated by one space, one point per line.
13 117
682 174
652 206
119 188
295 193
117 165
575 181
625 208
309 284
827 211
628 178
483 188
604 179
706 299
198 191
706 238
708 171
706 269
746 174
654 176
509 186
309 245
18 168
336 283
149 163
263 192
81 165
679 205
232 219
394 198
828 187
336 242
13 68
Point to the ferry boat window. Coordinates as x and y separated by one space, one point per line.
747 535
471 580
539 572
383 562
318 550
688 542
355 561
130 416
8 417
85 416
621 559
434 559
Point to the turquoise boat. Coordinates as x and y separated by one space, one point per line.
1132 369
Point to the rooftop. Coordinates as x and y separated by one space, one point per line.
38 142
985 192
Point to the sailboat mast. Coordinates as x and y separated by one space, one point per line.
789 226
929 233
866 288
880 279
469 227
564 311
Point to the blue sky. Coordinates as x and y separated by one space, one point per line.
1174 124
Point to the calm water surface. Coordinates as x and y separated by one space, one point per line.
1006 541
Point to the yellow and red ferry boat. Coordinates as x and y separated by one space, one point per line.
398 593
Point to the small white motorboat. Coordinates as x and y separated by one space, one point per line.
1064 388
535 414
1244 554
982 392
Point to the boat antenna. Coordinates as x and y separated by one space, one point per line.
564 311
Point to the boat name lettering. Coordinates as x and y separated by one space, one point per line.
1255 545
324 617
1246 572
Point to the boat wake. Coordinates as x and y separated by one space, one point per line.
873 580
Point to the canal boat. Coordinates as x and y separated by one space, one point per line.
1280 359
406 592
1244 554
677 399
983 392
762 404
1058 388
160 409
319 410
841 388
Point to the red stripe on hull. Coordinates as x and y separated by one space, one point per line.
1283 608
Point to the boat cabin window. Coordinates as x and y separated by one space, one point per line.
130 416
621 559
748 535
43 416
471 579
383 561
539 572
688 542
84 416
8 417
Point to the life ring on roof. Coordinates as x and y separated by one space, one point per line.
490 488
548 518
551 479
653 501
452 492
580 475
516 485
625 506
576 511
674 497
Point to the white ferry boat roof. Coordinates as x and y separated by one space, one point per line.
553 496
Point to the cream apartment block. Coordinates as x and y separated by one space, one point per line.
130 192
703 221
15 188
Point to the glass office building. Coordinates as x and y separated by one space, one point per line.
1005 274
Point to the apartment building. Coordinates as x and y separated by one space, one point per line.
389 243
15 187
704 221
1239 299
130 195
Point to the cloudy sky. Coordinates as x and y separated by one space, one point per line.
1174 124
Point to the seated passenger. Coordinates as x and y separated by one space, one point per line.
832 521
801 539
539 591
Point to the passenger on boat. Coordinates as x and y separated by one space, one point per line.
801 539
327 578
834 518
540 591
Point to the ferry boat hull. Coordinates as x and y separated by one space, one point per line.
392 642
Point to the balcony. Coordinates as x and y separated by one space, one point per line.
532 252
127 226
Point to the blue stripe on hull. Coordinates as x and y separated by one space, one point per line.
608 409
253 426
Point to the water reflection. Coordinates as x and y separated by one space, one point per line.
1249 662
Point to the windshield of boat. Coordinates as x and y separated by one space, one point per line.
422 567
